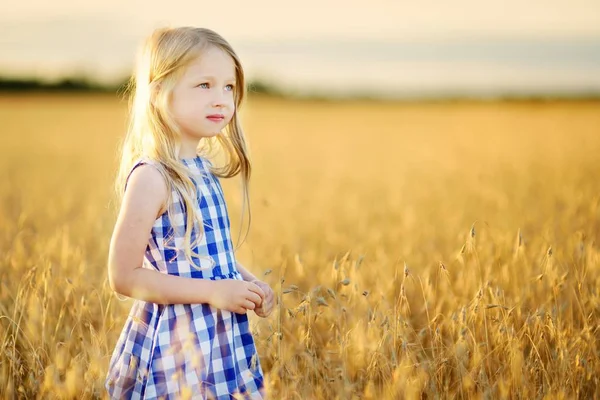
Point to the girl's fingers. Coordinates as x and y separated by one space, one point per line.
256 289
249 305
254 298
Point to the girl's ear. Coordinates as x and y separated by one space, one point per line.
154 90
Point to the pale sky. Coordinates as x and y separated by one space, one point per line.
299 43
376 18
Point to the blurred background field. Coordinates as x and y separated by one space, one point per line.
425 194
420 249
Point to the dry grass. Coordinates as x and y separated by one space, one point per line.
446 250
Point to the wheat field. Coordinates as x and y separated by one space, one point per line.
419 250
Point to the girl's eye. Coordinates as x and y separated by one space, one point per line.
205 85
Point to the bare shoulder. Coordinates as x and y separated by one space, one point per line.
144 196
146 189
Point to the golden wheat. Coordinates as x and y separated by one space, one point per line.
446 250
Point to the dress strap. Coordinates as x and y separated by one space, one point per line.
140 161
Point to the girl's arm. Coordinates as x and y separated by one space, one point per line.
247 275
143 202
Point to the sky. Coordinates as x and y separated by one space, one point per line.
389 47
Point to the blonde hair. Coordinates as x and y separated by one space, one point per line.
153 133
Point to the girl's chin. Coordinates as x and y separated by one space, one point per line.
207 134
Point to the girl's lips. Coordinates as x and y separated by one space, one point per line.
216 118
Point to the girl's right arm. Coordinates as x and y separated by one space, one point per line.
143 202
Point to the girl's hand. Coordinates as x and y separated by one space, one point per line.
268 304
236 295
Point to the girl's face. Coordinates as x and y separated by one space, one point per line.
202 101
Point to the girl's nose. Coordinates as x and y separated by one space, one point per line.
218 99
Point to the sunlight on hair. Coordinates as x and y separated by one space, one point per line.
154 135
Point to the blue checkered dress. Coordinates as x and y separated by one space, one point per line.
166 351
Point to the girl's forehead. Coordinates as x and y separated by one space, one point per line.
212 62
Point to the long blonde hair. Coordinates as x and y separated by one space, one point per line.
152 132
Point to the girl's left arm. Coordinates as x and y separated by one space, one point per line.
247 275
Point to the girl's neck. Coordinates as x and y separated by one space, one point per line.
188 149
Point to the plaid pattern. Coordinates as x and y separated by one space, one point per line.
172 351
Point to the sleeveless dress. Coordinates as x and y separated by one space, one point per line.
187 350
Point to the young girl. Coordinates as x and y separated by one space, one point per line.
187 335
